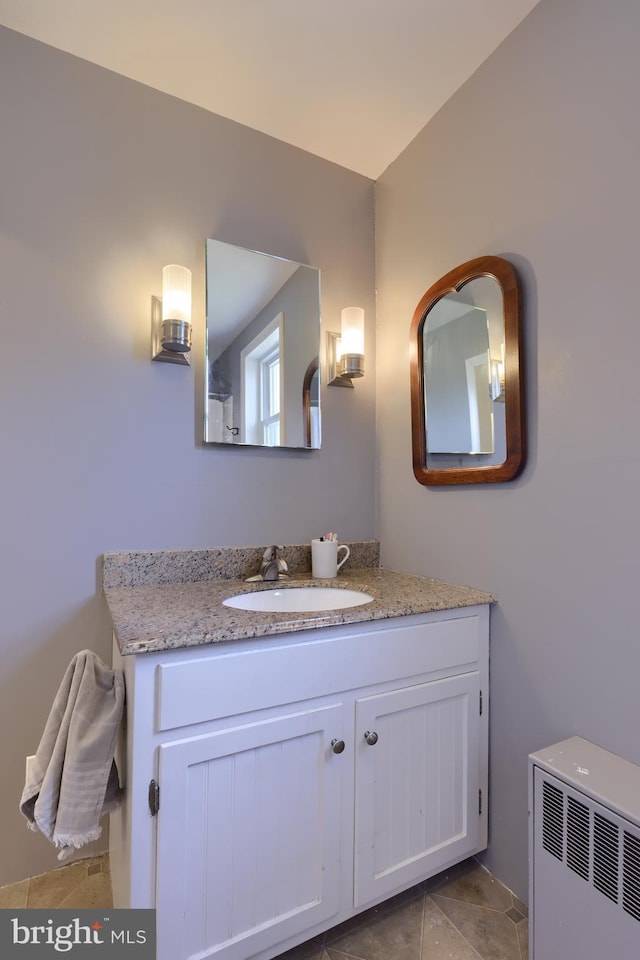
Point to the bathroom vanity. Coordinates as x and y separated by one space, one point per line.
289 771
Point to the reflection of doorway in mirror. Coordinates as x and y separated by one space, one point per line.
459 413
480 406
220 427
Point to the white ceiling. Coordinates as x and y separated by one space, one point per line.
352 81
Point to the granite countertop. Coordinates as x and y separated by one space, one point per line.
149 617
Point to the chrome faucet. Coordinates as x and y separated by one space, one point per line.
272 567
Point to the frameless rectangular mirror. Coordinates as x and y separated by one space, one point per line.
262 346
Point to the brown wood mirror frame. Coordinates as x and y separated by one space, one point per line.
425 469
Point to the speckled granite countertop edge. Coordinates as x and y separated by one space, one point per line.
154 617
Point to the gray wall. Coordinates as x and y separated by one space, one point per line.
102 182
552 185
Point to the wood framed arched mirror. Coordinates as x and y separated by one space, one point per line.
467 392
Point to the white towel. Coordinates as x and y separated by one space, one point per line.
73 780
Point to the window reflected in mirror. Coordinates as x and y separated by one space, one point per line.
262 337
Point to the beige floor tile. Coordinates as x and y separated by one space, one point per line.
93 892
14 895
440 939
476 885
396 934
49 889
375 913
488 931
465 915
523 937
452 873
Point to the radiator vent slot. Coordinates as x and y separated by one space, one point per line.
606 847
590 845
631 875
578 838
552 819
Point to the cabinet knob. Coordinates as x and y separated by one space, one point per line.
337 746
371 737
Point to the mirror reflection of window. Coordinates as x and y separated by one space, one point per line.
261 401
271 399
261 386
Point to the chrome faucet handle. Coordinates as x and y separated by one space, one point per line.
281 563
272 566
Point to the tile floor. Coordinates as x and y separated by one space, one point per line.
462 914
80 885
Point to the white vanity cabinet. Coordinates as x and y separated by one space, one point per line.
302 778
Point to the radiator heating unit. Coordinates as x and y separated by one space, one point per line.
584 854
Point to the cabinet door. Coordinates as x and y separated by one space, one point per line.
417 786
249 835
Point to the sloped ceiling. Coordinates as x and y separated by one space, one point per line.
352 81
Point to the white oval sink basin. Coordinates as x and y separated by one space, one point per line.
298 600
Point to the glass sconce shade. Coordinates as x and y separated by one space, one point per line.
352 337
171 317
345 352
353 330
176 308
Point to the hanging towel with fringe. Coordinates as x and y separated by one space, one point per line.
73 781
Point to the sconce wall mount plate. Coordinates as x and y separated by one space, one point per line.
334 362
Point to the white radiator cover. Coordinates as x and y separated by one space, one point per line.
584 854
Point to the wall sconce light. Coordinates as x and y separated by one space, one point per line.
345 353
171 317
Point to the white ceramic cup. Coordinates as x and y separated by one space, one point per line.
324 558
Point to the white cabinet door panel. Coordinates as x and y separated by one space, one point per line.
417 786
249 834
